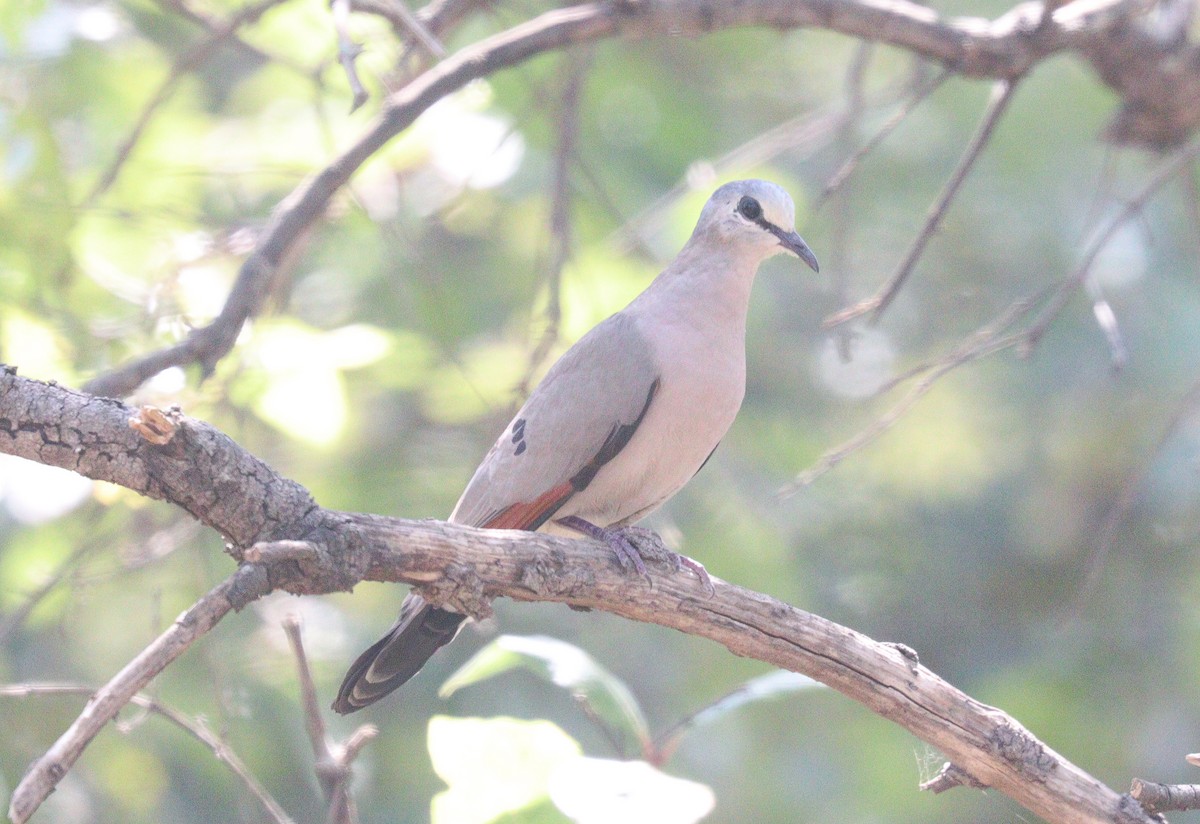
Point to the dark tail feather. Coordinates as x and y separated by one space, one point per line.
420 632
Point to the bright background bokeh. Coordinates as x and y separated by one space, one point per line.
388 361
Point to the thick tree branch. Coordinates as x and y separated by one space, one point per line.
207 474
1004 49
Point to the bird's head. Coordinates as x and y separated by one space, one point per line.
754 215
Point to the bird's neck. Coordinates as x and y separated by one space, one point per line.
705 281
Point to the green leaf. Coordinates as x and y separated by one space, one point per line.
496 767
600 790
771 685
605 697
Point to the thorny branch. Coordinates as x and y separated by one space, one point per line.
348 52
208 475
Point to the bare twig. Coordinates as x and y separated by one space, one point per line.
195 57
348 52
1002 94
434 19
272 552
1192 195
1157 798
1106 535
840 230
1106 319
1105 181
44 774
851 165
949 777
194 727
404 22
560 215
314 724
343 810
17 617
332 764
986 341
1167 169
214 26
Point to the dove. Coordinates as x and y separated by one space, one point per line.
620 423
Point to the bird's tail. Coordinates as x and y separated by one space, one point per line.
420 631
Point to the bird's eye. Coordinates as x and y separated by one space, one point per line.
749 208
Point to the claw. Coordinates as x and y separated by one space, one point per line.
638 534
626 551
631 544
701 573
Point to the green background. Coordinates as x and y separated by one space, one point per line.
386 365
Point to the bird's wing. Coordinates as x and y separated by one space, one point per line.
578 418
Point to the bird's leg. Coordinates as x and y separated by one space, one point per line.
627 554
633 543
650 544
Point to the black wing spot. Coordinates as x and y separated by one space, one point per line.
617 438
518 435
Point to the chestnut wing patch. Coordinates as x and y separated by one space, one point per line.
532 514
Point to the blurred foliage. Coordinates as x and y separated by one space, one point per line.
388 362
605 699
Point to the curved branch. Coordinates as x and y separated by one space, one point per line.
195 727
466 568
220 35
1005 48
43 776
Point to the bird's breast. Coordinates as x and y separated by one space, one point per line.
702 381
